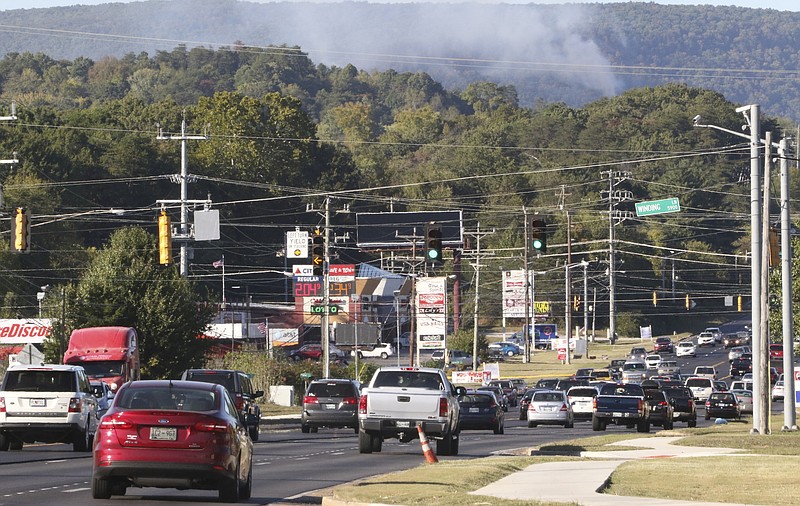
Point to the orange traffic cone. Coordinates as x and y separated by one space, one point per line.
430 457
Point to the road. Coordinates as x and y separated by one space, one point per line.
288 464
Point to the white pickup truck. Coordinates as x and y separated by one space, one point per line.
397 399
47 403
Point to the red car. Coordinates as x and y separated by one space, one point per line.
775 350
663 345
173 434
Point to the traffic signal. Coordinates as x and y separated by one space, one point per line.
433 243
317 252
21 231
688 302
539 236
164 239
576 303
739 303
655 298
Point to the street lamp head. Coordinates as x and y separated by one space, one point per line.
697 119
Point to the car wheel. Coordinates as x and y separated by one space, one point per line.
597 424
523 415
444 446
296 358
531 425
81 441
376 443
510 353
454 444
668 425
305 429
497 429
254 432
355 429
364 442
692 423
359 355
314 430
384 355
708 416
246 488
643 426
229 490
3 442
570 424
101 489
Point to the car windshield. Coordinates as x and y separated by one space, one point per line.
698 382
223 378
167 397
40 381
704 370
103 368
632 366
331 390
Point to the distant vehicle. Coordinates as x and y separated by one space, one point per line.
506 348
778 391
738 351
240 386
683 406
701 387
731 340
509 390
706 371
667 367
637 353
723 405
741 365
741 385
745 400
706 339
720 386
652 361
775 350
661 410
621 404
663 345
521 385
581 399
109 354
104 395
457 357
313 351
550 407
378 351
715 333
634 372
480 410
546 383
615 366
498 392
185 434
330 403
686 349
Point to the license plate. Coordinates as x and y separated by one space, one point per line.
403 424
617 414
474 410
38 403
163 433
329 406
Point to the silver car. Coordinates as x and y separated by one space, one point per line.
550 407
745 398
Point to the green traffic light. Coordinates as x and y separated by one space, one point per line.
433 254
537 244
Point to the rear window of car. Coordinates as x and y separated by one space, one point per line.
721 397
704 370
678 392
186 399
623 390
40 381
582 392
332 389
408 379
699 382
477 399
547 397
225 379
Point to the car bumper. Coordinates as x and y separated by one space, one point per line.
477 423
31 432
330 418
723 413
166 474
393 428
548 418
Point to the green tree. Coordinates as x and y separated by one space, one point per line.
124 285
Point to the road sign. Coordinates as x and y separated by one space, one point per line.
297 244
669 205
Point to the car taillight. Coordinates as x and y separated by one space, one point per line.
444 407
691 403
362 405
594 402
662 403
349 401
708 403
531 407
2 404
112 422
641 406
75 404
310 399
210 427
563 407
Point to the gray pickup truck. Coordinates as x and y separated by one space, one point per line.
622 405
397 399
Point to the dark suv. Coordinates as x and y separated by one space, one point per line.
683 404
240 387
330 403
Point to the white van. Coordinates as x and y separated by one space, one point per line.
701 387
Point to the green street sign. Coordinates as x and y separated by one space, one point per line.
670 205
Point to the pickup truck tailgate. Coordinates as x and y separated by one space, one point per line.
403 403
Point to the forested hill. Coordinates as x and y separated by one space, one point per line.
551 53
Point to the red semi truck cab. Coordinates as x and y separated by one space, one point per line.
108 354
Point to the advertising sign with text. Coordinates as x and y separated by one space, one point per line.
431 304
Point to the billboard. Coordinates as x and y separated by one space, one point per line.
431 305
396 230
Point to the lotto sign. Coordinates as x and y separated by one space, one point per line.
431 303
297 244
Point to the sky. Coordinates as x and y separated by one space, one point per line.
781 5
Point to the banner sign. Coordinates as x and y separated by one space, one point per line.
431 304
24 331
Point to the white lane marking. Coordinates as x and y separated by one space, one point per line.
55 461
75 490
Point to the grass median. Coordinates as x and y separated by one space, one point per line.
765 473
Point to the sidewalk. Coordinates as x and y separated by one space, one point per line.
579 482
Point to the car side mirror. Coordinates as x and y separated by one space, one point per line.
461 391
257 394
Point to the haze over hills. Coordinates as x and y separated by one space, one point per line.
552 53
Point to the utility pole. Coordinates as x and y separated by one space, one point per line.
478 235
526 355
184 235
789 415
614 197
13 160
761 352
413 348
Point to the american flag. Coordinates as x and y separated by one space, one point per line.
262 327
219 263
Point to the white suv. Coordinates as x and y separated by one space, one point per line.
705 338
47 403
